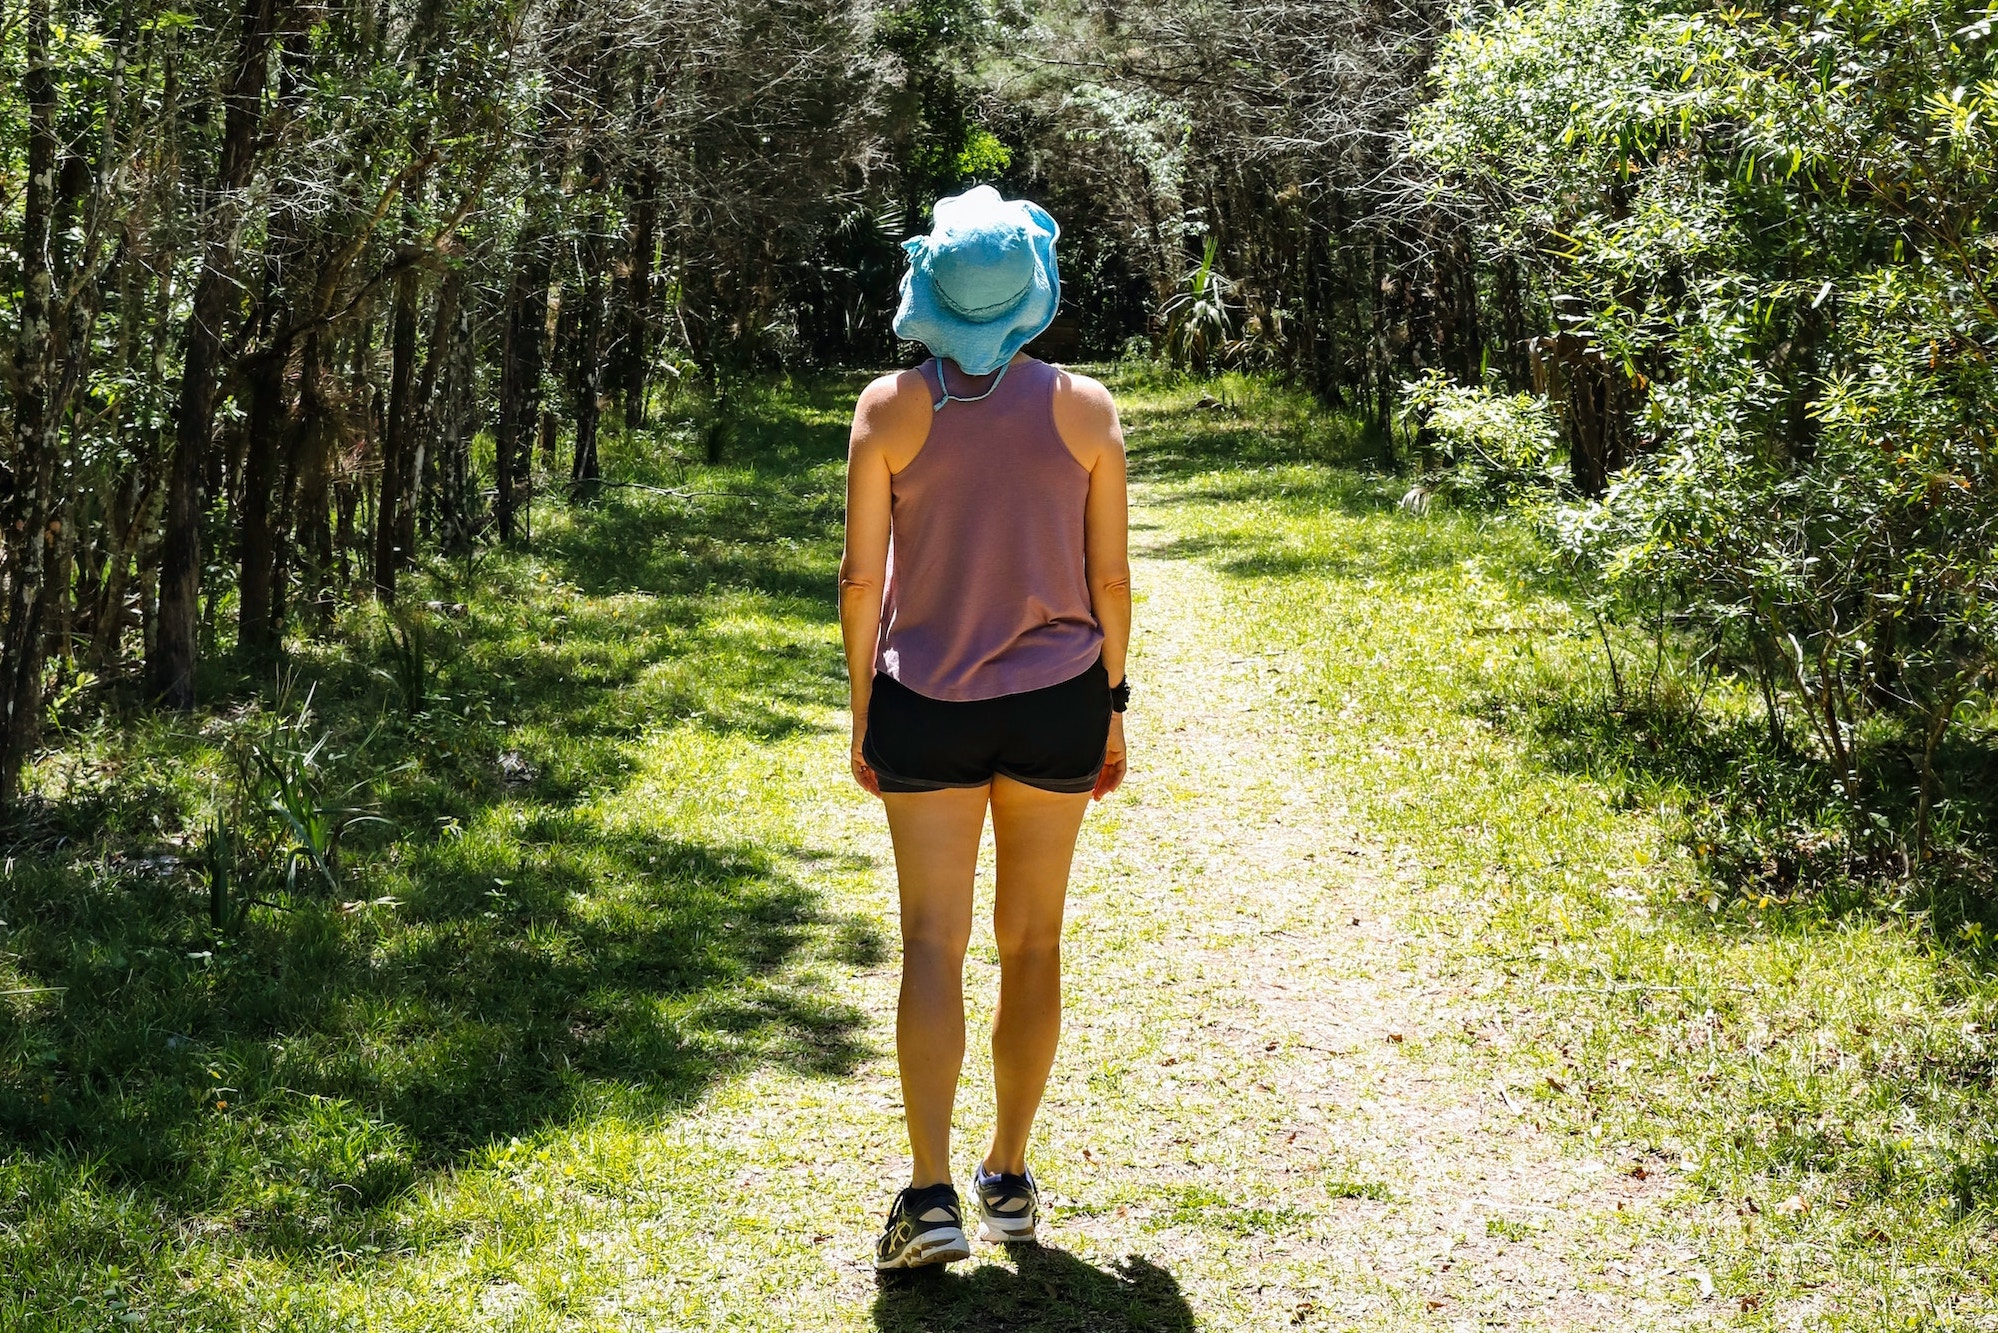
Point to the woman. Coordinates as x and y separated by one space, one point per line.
985 600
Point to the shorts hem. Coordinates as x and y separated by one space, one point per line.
897 784
1060 786
894 786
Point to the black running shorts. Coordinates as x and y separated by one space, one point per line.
1050 738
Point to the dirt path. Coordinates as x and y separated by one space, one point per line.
1291 1024
1266 1113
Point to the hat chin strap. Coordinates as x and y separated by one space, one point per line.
949 397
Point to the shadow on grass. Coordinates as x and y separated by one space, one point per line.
1763 813
295 1077
1047 1291
1246 425
501 958
1386 543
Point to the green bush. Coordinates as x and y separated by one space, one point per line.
1775 231
1487 446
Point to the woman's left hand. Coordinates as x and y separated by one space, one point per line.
1112 776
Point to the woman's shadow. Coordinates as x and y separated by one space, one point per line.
1047 1291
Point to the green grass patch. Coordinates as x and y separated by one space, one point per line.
1359 1189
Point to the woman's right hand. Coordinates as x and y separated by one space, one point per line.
863 772
1112 776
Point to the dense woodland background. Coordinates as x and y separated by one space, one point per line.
303 295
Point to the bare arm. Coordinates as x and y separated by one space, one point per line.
1087 420
890 423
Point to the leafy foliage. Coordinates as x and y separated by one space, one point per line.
1777 228
1489 446
1197 320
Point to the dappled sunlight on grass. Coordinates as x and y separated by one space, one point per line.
586 894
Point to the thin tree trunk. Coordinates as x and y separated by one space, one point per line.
551 432
429 422
392 547
29 492
176 634
638 330
588 370
313 471
257 517
455 413
520 379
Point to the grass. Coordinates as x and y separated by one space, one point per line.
582 903
592 1031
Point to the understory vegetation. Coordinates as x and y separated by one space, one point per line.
232 1037
1772 235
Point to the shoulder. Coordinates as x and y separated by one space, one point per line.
1082 390
896 393
1086 416
893 410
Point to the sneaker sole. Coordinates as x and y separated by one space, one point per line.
1005 1230
942 1246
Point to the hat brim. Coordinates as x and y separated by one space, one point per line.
980 347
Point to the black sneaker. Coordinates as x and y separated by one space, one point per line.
925 1226
1008 1205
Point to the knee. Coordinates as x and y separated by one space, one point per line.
934 944
1029 948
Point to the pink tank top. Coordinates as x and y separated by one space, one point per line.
986 594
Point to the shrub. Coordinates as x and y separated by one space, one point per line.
1777 229
1479 443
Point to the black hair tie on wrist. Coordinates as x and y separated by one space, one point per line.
1120 695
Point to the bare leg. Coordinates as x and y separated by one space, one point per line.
1034 831
936 857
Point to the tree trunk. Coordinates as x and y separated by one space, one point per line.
392 546
429 409
456 417
551 432
638 329
29 489
257 517
128 519
312 468
176 634
520 379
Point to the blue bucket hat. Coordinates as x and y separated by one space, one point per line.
983 282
